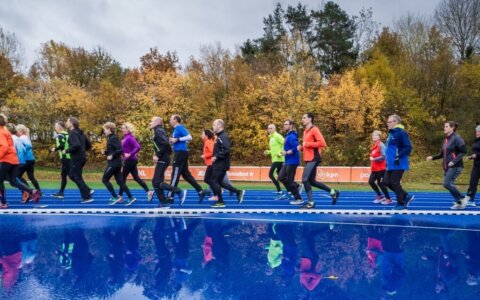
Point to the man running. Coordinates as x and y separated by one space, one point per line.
275 144
313 144
221 164
179 140
292 160
397 156
61 143
78 145
161 158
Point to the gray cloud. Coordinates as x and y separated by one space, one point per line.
127 29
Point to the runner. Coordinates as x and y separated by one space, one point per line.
452 153
475 173
179 140
397 158
78 145
24 134
130 148
161 158
9 165
221 164
275 144
377 167
61 143
114 166
208 143
313 144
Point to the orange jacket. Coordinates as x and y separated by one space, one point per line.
8 154
313 144
208 151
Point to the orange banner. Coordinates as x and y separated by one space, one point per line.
324 174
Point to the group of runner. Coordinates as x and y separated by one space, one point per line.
388 162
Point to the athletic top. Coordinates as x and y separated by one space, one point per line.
291 143
61 143
78 144
398 149
20 148
313 144
28 147
378 153
453 150
131 146
476 150
208 151
8 154
114 148
275 144
181 133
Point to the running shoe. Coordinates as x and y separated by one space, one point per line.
213 198
87 200
58 195
308 205
387 201
240 196
115 200
409 199
130 201
218 205
300 189
471 203
296 202
3 205
379 199
201 196
36 196
149 196
335 196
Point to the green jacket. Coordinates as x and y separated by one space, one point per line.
276 147
61 143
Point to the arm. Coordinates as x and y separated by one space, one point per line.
26 142
209 153
74 142
224 149
319 141
185 138
406 145
382 153
60 142
461 150
117 147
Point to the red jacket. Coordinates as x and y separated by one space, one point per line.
379 163
208 151
313 144
8 154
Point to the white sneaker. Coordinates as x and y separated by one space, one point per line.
457 206
471 203
296 202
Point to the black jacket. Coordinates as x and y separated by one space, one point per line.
476 150
221 150
78 144
453 150
161 145
114 148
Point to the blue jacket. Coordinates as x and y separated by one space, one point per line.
291 143
28 147
21 151
398 149
179 132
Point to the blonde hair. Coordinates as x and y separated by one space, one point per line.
111 126
377 132
129 126
24 129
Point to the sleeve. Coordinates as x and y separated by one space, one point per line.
117 147
294 145
438 156
382 153
160 142
3 145
319 140
224 149
208 150
74 143
185 138
461 150
406 148
60 142
26 142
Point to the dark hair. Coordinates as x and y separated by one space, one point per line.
3 120
452 124
208 133
74 121
12 128
311 116
60 123
178 118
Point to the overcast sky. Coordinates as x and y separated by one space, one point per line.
127 29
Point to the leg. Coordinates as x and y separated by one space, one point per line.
178 160
107 174
22 168
292 186
395 178
31 173
158 178
208 178
188 176
218 175
64 174
474 178
119 179
380 177
310 168
76 169
127 169
371 181
449 182
275 168
137 178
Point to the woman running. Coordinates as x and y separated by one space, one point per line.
452 152
24 134
114 165
378 165
130 148
208 139
475 174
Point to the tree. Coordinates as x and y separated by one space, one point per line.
163 63
11 49
460 21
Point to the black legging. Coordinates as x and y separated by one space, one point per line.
28 167
130 167
218 183
287 177
158 181
392 181
9 172
75 174
180 168
115 171
377 176
275 168
64 174
208 178
309 179
474 177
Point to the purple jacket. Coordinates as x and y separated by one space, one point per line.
130 145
